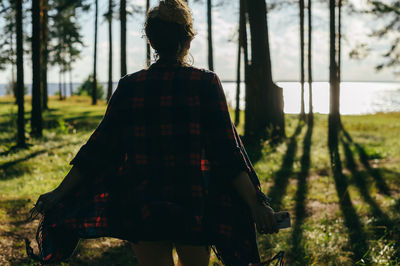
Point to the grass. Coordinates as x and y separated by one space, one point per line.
348 214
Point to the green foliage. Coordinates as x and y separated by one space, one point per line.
85 89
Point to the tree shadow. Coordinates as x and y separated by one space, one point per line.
281 178
117 255
383 226
383 221
357 241
364 158
298 245
12 169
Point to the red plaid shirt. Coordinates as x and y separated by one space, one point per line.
159 167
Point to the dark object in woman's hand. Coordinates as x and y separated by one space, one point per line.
265 219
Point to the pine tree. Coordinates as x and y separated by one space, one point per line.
20 76
109 16
36 116
264 100
210 42
94 89
122 17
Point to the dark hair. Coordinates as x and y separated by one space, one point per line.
168 28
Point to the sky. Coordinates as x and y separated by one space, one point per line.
283 35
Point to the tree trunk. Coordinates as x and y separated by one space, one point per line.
238 81
45 39
71 89
60 84
36 119
122 15
310 112
13 82
20 77
334 116
94 87
264 99
148 51
110 53
65 83
210 42
301 5
238 72
339 65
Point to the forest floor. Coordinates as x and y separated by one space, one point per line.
347 215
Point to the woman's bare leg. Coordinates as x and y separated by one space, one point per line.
153 253
192 255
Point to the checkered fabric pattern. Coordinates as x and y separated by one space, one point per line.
159 167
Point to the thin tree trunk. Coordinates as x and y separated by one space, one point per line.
110 53
13 82
36 116
60 84
65 83
264 100
71 89
301 5
20 77
45 38
334 117
339 41
148 51
210 42
94 87
310 80
238 72
122 15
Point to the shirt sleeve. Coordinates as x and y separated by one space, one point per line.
103 151
223 146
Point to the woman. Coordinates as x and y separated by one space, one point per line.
165 168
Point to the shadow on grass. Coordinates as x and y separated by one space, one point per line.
281 178
358 242
12 169
383 221
383 226
364 158
298 253
118 255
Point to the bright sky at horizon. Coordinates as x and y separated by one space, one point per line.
284 45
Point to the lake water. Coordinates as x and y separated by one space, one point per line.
355 97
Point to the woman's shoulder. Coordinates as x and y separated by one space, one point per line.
186 72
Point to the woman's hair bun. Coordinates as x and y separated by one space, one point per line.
176 11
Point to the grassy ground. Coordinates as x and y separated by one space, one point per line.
345 215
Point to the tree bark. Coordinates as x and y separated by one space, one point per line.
36 116
122 15
334 116
110 53
339 41
45 39
94 87
13 82
310 80
148 51
60 84
20 77
238 72
264 99
210 42
71 89
301 5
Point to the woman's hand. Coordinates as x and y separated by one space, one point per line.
264 218
47 201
